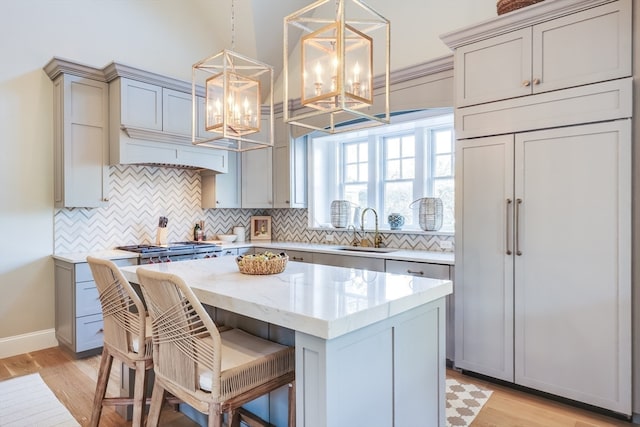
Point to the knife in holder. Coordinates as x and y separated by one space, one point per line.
161 233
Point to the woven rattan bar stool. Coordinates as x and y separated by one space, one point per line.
127 338
214 371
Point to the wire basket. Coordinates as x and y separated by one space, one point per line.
252 264
340 210
430 214
505 6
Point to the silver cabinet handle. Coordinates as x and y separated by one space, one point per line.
509 202
416 273
518 203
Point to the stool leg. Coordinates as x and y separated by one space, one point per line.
139 394
104 371
157 399
292 404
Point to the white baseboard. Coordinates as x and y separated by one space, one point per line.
25 343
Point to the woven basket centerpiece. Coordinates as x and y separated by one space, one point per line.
263 263
505 6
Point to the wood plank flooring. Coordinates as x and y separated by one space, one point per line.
73 382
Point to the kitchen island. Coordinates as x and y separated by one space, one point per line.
370 346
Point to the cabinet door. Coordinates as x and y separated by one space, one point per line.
290 175
222 190
176 112
586 47
572 279
493 69
484 268
257 178
141 104
82 146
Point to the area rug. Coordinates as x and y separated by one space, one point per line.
464 401
28 402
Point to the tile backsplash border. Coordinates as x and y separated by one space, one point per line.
139 195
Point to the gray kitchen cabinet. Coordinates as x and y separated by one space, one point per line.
432 271
257 176
235 251
78 320
535 293
300 256
289 168
534 59
151 119
81 140
247 184
222 190
360 262
543 217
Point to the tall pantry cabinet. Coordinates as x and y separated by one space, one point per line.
543 199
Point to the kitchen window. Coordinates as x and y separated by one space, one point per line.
385 167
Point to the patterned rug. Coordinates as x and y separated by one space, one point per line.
28 402
464 401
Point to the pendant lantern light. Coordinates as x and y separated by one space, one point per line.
342 72
231 116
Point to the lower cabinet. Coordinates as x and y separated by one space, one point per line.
432 271
235 251
78 319
365 263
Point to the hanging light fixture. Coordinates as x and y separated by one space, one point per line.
231 115
337 66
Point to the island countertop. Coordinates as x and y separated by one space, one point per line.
319 300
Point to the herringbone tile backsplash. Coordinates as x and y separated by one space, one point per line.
139 195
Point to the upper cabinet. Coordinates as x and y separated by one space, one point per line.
289 168
589 46
81 138
151 121
223 190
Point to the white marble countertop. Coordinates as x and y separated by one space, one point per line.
319 300
77 257
397 254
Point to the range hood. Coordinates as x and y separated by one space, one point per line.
149 117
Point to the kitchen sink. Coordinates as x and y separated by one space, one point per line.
366 249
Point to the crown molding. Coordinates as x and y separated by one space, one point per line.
517 19
57 66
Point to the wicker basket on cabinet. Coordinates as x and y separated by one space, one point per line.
505 6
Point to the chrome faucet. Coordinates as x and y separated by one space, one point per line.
354 241
377 238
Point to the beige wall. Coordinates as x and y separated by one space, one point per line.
164 36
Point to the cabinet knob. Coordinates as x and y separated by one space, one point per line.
217 202
526 83
105 199
536 81
286 201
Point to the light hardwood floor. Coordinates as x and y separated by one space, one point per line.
73 382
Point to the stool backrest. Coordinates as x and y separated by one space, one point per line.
185 338
123 312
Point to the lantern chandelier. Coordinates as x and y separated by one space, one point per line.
231 115
336 66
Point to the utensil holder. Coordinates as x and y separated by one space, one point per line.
161 236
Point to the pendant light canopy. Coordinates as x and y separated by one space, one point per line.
334 72
231 116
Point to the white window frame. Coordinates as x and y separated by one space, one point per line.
326 178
